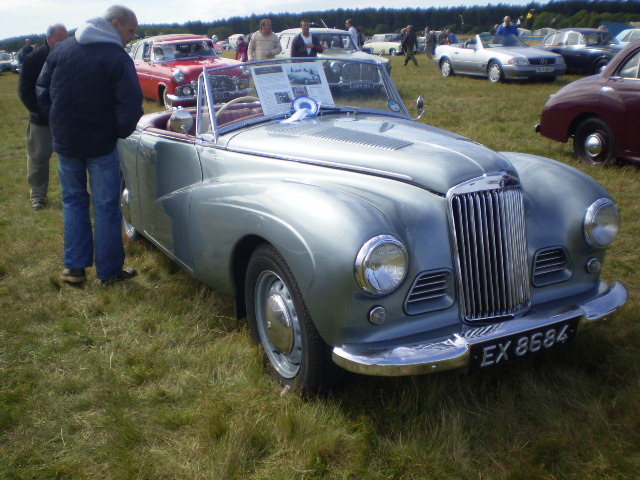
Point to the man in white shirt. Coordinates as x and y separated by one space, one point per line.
352 31
264 43
305 44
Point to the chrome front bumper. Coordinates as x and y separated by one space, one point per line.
454 352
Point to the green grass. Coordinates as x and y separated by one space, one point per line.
155 379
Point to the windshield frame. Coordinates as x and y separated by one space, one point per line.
207 127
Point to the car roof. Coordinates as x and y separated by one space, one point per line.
332 31
582 30
174 37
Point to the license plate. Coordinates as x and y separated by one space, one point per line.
544 69
361 85
507 349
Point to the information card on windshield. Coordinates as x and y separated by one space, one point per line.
278 85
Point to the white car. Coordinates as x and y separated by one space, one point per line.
384 44
629 35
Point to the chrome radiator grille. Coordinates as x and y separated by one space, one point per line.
492 252
354 72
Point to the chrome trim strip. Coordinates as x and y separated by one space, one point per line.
453 351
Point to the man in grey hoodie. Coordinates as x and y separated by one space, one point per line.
90 92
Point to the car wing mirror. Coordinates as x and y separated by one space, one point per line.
420 107
181 121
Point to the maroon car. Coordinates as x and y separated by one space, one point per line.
168 67
601 112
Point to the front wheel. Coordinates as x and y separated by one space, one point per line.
495 74
594 143
280 323
600 66
166 101
446 68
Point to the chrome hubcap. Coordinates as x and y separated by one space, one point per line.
279 325
593 145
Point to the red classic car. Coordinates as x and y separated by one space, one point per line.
168 67
600 112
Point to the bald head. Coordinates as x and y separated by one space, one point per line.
124 20
56 33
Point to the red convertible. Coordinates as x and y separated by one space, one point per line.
168 67
600 112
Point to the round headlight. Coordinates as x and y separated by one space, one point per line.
178 76
381 265
601 223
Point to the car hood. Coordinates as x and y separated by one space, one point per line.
199 63
367 57
387 146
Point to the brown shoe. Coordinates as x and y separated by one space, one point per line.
73 275
125 274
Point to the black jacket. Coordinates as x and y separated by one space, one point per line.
31 68
91 95
299 49
409 41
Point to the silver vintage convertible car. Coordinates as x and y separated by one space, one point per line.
351 235
498 58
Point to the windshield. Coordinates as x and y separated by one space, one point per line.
258 91
335 42
494 41
183 50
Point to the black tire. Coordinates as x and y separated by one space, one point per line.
392 51
280 323
446 69
129 232
495 73
600 65
594 143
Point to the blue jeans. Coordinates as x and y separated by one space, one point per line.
104 180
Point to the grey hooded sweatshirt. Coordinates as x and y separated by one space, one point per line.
90 91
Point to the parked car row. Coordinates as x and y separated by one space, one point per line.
9 63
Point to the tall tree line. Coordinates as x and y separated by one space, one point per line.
465 20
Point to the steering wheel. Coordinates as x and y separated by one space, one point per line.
234 101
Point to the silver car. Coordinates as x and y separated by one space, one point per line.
498 58
352 236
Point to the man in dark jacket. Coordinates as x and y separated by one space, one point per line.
304 44
90 91
25 50
39 146
409 43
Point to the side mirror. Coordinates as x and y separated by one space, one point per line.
420 107
181 121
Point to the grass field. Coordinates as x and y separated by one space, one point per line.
155 379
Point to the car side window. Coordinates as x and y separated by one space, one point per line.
555 39
139 52
630 69
573 38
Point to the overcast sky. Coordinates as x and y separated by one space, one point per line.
25 17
